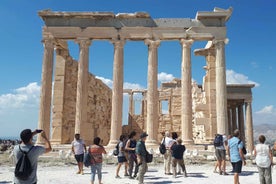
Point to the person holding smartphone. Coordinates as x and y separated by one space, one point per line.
34 152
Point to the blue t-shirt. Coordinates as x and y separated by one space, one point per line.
234 147
33 156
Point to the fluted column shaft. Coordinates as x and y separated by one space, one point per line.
241 121
81 123
186 92
234 118
249 127
46 89
152 93
117 92
221 95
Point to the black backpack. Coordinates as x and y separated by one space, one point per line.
162 147
23 168
243 148
218 141
116 150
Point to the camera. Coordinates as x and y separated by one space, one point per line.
38 131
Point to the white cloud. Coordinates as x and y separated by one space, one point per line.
27 96
127 85
165 77
267 110
236 78
267 115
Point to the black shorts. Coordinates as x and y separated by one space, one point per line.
237 166
79 158
122 159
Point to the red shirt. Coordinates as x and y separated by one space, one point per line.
96 153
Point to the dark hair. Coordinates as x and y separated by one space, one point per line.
262 139
174 135
97 140
132 134
26 135
122 137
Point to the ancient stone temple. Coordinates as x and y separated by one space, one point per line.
83 104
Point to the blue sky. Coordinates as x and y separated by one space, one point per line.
250 54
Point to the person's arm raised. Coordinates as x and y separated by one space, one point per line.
48 147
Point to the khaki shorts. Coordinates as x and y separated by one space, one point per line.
221 154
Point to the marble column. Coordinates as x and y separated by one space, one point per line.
229 122
221 95
241 121
152 93
186 93
131 104
234 118
249 127
46 89
117 92
81 121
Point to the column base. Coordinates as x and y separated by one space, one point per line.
188 142
151 143
112 144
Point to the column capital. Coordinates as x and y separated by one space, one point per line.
83 42
186 42
49 43
219 42
248 101
152 43
118 43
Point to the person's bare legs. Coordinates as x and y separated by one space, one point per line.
236 178
81 167
117 170
126 166
219 166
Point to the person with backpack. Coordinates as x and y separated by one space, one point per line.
132 158
220 142
236 155
78 148
141 153
264 160
27 154
121 156
177 156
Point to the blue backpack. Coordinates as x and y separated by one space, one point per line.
218 141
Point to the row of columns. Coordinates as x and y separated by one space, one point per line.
236 121
81 123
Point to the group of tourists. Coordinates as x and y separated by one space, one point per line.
132 153
234 147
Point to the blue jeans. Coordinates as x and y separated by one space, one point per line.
96 167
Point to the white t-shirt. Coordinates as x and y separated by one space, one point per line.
262 156
78 146
168 141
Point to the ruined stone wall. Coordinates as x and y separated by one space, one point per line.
64 105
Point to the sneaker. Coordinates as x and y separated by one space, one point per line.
225 173
78 172
135 175
118 177
131 177
220 172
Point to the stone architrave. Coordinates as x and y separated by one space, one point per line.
81 124
152 93
221 95
249 127
117 92
46 89
186 93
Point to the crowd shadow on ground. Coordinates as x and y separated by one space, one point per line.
5 182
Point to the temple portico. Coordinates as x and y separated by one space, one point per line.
84 104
